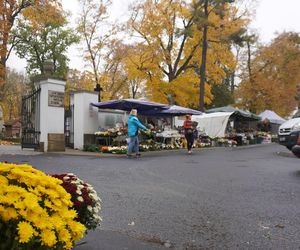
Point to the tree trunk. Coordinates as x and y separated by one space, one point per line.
232 82
251 80
203 59
2 76
249 61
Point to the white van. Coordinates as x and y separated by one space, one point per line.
289 134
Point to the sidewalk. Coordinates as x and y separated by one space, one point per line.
17 150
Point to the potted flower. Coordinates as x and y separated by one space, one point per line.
85 199
36 212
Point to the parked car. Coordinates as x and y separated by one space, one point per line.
289 135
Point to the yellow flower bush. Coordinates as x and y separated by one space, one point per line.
35 211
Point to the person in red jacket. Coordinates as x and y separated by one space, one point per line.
188 132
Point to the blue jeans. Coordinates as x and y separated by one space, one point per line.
133 144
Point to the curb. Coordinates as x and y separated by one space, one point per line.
285 154
149 153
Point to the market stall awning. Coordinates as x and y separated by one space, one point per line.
236 111
146 107
128 104
178 110
213 124
272 117
173 110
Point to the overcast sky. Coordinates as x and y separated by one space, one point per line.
271 16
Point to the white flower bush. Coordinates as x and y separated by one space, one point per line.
85 199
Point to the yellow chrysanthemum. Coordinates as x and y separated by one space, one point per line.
9 214
2 208
40 202
69 214
57 221
25 231
48 237
68 245
43 223
77 230
31 201
3 180
64 235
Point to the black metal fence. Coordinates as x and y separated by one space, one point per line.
31 120
69 126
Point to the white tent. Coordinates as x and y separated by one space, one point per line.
213 124
272 117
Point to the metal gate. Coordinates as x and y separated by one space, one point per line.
69 127
31 120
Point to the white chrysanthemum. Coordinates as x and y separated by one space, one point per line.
79 198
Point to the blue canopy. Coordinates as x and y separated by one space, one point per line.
129 104
146 107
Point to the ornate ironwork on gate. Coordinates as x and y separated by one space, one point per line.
69 126
31 120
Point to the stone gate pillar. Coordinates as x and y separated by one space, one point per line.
85 118
51 118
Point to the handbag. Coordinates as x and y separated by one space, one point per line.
188 131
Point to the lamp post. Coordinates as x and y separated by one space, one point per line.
98 89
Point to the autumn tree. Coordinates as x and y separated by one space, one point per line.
10 11
169 32
121 76
222 95
14 89
202 9
45 40
138 67
95 32
78 80
275 73
114 78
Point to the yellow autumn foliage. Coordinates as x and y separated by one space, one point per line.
173 43
274 79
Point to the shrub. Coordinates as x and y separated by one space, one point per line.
35 211
91 148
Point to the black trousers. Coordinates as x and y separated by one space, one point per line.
190 140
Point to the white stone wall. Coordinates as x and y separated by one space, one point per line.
51 118
85 116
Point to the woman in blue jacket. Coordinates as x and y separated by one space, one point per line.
133 129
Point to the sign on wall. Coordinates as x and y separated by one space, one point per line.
55 99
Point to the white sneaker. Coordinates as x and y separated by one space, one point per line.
189 152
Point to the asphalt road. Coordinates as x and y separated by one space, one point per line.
223 198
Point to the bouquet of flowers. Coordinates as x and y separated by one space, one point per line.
35 211
85 199
114 149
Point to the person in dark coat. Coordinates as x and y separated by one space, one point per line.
188 132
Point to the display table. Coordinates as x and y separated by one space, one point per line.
168 136
104 140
